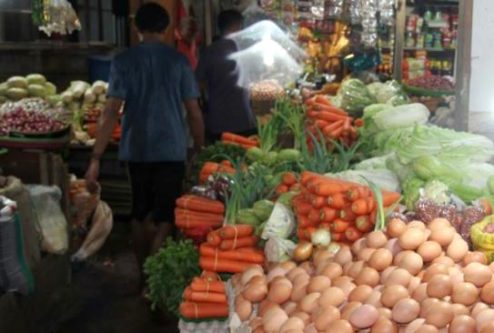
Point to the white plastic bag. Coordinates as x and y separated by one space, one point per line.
280 224
278 250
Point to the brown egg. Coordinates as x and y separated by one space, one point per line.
475 256
343 256
318 284
477 273
346 267
299 292
266 305
420 293
487 293
374 299
395 228
460 309
358 245
385 312
439 286
302 315
273 319
462 324
346 287
405 310
309 302
332 296
429 250
288 265
478 308
301 279
292 274
386 273
484 318
289 307
360 293
456 274
376 239
243 308
487 328
381 259
399 276
332 270
413 326
411 238
457 249
368 276
364 316
308 267
366 254
414 283
348 308
392 294
443 236
393 245
439 314
355 269
321 257
416 224
426 306
292 324
399 257
412 262
340 326
427 329
439 223
465 293
280 290
384 325
445 260
325 317
434 270
274 273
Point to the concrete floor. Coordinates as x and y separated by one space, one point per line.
106 294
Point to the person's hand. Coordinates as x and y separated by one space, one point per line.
92 175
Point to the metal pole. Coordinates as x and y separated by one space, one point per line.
399 39
208 21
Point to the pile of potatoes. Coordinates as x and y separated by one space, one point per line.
411 278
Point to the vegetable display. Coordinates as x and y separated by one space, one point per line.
33 85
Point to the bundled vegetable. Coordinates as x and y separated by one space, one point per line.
238 140
210 168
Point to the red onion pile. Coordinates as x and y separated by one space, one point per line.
432 82
28 122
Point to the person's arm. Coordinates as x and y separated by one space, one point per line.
106 125
196 122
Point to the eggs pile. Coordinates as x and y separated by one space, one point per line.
413 278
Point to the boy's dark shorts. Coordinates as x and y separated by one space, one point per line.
155 188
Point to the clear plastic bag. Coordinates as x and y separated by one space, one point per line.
278 250
59 17
280 224
333 9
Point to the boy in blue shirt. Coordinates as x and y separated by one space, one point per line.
151 81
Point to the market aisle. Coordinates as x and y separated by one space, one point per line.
106 293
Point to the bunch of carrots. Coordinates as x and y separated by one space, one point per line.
230 249
346 209
334 123
205 298
210 168
289 182
193 212
238 140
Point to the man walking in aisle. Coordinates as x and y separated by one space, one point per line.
151 81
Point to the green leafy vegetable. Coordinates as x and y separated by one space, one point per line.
355 96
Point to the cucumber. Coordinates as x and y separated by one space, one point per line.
289 155
263 209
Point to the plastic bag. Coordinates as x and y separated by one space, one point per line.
59 17
355 96
46 200
14 271
278 250
83 205
280 224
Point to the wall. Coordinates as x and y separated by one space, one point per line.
481 99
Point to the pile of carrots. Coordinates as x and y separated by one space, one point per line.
210 168
195 212
238 140
205 298
289 182
230 249
332 122
348 210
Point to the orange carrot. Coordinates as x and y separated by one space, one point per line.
305 233
302 208
179 212
321 124
333 126
336 133
347 124
247 254
231 137
192 310
235 231
362 206
486 206
337 236
282 188
214 238
304 221
243 145
358 192
359 122
327 214
336 201
200 204
188 223
339 225
347 214
289 178
363 223
223 265
206 297
210 167
329 108
199 284
318 201
295 187
322 100
390 198
235 243
352 234
314 216
306 176
329 116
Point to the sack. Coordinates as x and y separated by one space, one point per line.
83 203
14 190
51 219
14 271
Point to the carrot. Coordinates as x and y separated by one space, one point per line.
347 214
302 208
321 124
353 133
180 212
213 238
232 137
347 123
358 192
226 163
327 214
318 201
304 221
243 145
188 223
337 236
305 233
248 254
199 284
359 122
200 204
295 187
336 201
390 198
336 133
361 206
339 225
325 225
306 176
223 265
352 234
486 206
322 100
206 297
282 188
333 126
235 231
232 244
329 108
329 116
289 178
192 310
314 216
210 167
330 187
363 223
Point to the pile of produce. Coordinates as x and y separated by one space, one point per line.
230 249
414 277
210 168
194 212
33 85
432 82
205 298
238 140
86 99
267 90
30 116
